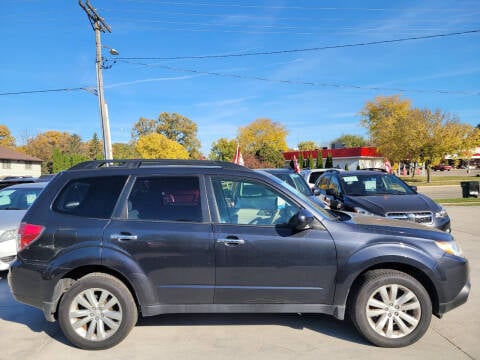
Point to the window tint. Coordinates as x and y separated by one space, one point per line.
18 199
245 202
165 198
90 197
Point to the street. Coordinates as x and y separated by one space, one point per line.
27 335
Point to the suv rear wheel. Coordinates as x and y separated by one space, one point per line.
97 312
391 308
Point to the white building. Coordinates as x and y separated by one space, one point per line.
14 163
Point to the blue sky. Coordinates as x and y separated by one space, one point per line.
49 44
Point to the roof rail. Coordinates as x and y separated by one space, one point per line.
137 163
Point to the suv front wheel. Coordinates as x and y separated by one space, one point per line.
97 312
391 308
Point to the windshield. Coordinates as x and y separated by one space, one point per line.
374 184
296 181
326 213
18 199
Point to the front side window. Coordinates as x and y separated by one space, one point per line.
90 197
251 203
173 198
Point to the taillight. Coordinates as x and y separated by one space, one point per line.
28 233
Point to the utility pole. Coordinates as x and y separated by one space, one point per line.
99 25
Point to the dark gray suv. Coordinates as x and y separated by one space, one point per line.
107 241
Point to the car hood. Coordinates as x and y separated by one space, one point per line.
382 225
10 219
382 204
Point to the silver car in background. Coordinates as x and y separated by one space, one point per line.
14 203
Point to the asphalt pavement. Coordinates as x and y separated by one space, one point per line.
26 335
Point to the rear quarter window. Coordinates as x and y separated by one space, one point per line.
93 197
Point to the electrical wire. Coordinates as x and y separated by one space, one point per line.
309 83
44 91
304 49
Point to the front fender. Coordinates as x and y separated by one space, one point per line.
383 254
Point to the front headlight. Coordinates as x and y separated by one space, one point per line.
450 247
441 214
362 211
7 235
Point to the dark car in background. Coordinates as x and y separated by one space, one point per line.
107 241
382 194
295 180
441 167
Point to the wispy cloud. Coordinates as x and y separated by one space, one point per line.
222 103
134 82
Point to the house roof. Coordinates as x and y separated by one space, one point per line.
9 154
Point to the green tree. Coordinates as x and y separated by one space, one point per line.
301 161
6 138
95 148
262 132
270 157
158 146
223 150
307 145
124 151
329 161
351 140
175 127
310 162
319 160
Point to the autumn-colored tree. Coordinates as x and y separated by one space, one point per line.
307 145
158 146
42 146
175 127
6 138
124 151
223 149
387 120
401 132
351 140
262 131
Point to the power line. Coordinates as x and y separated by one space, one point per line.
309 83
45 91
304 49
279 7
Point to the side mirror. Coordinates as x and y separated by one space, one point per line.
316 191
302 220
414 188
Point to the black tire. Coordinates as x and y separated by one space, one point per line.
110 324
394 319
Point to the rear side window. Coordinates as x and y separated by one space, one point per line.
166 198
90 197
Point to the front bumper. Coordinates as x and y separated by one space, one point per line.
460 299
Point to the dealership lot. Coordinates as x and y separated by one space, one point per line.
26 335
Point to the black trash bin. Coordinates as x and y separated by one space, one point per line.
470 188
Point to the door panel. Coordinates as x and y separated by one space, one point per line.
266 261
164 231
178 258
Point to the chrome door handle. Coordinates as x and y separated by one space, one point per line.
231 242
123 237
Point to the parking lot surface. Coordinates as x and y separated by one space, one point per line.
25 334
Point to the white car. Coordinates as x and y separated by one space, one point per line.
14 203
